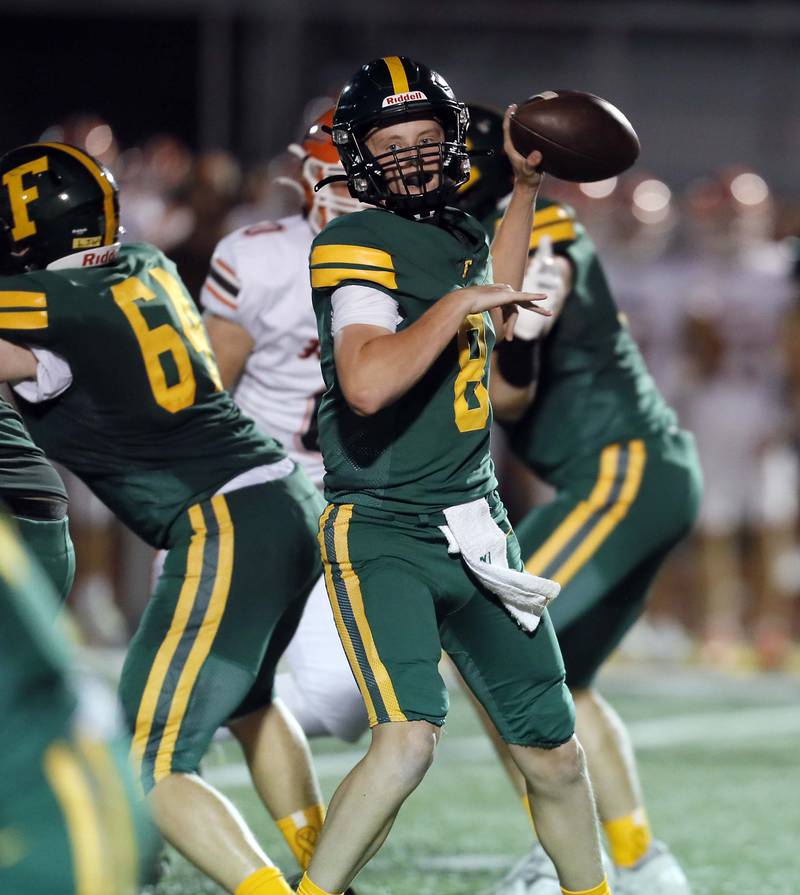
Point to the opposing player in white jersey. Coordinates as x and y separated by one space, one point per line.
257 299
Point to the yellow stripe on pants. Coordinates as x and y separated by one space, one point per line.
203 642
575 520
183 609
353 587
637 456
344 635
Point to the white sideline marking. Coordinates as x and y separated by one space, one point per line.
715 730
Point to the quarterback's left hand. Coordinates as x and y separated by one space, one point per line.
525 169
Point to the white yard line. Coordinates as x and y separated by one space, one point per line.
713 730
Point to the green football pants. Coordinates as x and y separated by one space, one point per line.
399 598
230 596
50 542
604 538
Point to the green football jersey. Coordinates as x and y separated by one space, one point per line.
594 387
24 469
145 422
430 448
36 700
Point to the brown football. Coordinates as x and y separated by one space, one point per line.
582 137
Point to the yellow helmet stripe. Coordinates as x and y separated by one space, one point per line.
108 193
397 73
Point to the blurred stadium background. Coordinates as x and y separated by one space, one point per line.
193 103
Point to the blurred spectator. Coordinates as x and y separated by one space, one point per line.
737 289
271 191
209 194
153 184
89 132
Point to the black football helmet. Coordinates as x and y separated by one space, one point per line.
491 176
55 200
395 88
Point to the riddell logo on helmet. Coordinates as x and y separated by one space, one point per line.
93 259
397 98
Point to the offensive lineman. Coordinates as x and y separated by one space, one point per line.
627 483
402 309
262 330
123 389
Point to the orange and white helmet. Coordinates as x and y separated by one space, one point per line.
321 160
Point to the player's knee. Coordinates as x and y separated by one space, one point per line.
406 749
548 771
165 789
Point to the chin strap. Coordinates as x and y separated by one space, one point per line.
331 178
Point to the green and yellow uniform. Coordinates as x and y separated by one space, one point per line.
398 597
146 424
627 479
34 494
69 819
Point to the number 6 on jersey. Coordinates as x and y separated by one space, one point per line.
165 339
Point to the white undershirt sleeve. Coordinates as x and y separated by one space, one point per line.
364 305
53 376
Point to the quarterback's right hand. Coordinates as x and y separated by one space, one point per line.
497 295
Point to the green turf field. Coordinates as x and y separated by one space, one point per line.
720 764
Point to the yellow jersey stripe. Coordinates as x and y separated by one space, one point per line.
558 232
397 73
347 254
204 640
353 587
327 277
23 319
118 822
550 215
183 609
609 521
74 796
94 169
574 521
340 625
23 300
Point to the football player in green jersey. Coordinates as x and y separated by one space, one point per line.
417 549
34 494
70 821
582 412
122 388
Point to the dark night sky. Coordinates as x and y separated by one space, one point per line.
140 75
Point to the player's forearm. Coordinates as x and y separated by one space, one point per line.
512 241
231 344
379 371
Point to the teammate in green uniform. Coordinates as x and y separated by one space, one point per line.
402 299
34 494
69 819
123 389
627 484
